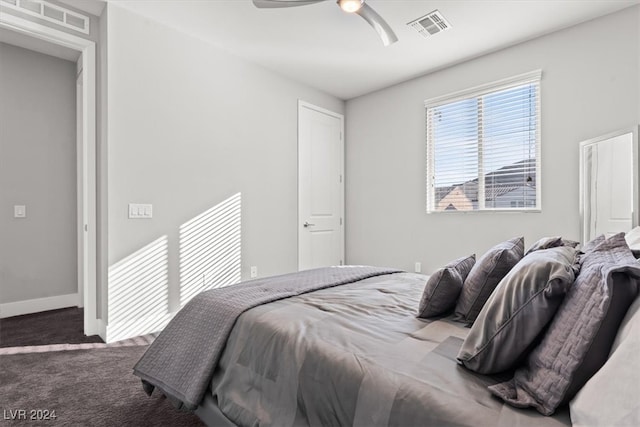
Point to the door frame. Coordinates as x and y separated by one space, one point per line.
303 104
635 214
86 158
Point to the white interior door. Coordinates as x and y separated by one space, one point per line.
320 187
614 186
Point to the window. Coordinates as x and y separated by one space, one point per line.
483 147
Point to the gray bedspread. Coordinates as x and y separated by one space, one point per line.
356 355
182 359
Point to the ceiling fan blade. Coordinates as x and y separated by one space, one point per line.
266 4
380 25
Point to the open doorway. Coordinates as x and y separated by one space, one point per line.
35 35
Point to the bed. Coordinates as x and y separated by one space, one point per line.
355 355
351 353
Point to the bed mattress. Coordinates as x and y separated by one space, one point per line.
355 354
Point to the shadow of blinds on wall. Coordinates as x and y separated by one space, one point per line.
483 147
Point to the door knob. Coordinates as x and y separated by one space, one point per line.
306 224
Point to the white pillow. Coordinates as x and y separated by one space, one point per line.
610 397
633 238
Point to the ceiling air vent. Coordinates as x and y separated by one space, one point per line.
430 24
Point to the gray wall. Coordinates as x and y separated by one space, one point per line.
589 87
189 127
37 169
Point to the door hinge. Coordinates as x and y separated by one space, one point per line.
341 178
340 220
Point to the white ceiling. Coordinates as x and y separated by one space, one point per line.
339 53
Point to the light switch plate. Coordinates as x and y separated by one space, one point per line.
140 211
19 211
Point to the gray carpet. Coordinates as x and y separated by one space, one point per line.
64 326
85 388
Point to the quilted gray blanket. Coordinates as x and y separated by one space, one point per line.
182 359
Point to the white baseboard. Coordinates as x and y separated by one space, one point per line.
37 305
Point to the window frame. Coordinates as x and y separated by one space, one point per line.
533 77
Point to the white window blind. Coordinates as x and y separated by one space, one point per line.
483 147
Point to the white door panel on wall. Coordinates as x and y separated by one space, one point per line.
607 187
320 187
614 186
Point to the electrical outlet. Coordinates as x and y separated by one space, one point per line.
418 267
19 211
254 272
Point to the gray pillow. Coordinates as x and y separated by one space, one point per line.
571 243
485 276
545 243
580 336
591 244
443 287
518 310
